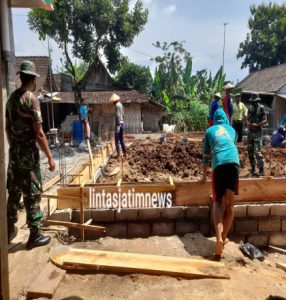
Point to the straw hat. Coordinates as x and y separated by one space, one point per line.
228 86
114 98
218 95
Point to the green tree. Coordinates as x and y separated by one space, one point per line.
79 71
132 76
90 27
265 45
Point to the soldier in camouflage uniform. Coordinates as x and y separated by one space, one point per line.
256 118
24 130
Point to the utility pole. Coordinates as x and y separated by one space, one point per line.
51 85
224 24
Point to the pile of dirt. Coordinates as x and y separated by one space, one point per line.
150 161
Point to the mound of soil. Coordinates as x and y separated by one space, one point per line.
150 161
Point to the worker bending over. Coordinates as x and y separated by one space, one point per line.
278 138
220 146
24 131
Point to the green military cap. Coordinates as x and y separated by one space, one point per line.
28 67
255 97
237 95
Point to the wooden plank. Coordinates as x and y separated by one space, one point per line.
114 172
278 249
51 182
91 159
281 266
90 193
46 282
75 225
139 263
251 190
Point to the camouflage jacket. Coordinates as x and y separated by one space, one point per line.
255 115
23 110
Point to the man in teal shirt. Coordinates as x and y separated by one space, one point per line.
220 146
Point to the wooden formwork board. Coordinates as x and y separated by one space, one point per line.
97 159
183 193
250 190
94 193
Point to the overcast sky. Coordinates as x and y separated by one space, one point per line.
198 22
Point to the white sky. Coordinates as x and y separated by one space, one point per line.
198 22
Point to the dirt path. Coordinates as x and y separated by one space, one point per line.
249 279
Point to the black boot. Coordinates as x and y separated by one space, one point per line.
12 232
36 239
261 171
253 171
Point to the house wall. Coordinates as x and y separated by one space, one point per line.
279 107
97 79
151 117
102 119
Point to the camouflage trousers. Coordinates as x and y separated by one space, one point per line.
254 151
28 183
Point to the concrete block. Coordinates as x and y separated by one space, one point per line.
184 227
240 211
278 210
258 210
270 225
246 226
127 215
138 229
163 229
258 240
116 230
284 225
205 229
197 212
103 215
149 214
61 215
278 239
173 213
76 215
237 238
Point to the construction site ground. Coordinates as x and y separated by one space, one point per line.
147 161
150 161
249 279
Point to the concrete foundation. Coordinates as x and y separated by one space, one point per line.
260 225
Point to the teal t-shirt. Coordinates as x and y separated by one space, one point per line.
220 142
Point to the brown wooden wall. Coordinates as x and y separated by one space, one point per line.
151 116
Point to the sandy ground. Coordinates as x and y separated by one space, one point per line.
248 279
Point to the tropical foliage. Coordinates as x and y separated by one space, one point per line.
91 28
265 44
185 95
132 76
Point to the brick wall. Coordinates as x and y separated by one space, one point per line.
258 224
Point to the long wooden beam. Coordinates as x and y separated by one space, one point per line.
183 193
75 225
95 260
250 190
142 195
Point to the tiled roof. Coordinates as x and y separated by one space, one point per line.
269 80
